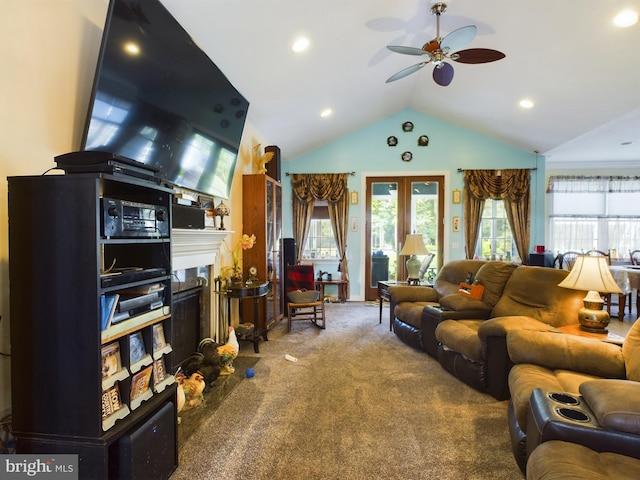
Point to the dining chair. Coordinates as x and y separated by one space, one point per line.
607 296
567 259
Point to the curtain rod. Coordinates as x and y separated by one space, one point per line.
460 170
287 173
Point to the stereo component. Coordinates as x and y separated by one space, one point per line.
124 219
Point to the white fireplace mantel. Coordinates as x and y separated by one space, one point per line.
195 248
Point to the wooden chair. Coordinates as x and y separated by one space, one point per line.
567 259
301 278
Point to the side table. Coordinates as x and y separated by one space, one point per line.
256 292
342 288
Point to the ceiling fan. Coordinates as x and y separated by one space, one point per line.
445 48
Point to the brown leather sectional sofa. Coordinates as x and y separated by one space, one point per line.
507 344
468 336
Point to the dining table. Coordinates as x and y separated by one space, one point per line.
628 279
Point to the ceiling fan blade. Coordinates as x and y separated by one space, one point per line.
458 39
406 50
406 71
443 74
478 55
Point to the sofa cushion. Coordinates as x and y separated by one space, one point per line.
569 461
462 336
615 403
493 276
448 280
534 292
460 303
411 312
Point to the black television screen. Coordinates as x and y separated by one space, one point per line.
160 100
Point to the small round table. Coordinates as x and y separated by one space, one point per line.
256 292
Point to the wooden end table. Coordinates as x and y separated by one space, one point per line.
342 288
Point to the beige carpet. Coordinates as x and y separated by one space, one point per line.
358 404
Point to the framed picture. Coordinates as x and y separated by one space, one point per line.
136 347
456 224
456 196
354 198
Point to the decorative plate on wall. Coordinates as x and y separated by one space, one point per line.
407 127
407 156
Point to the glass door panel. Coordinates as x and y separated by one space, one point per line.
397 206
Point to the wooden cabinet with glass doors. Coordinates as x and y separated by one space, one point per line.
262 217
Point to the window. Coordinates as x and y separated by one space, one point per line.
495 240
320 243
594 213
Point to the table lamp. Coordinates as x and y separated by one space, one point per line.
591 273
222 211
413 245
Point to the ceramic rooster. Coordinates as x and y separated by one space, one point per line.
228 352
192 387
260 160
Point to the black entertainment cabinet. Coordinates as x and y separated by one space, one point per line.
62 379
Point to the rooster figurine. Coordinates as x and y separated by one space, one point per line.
228 352
192 387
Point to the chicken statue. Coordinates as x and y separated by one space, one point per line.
228 352
192 388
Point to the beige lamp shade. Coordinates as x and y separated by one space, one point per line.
591 273
414 245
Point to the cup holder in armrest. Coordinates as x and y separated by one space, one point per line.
571 414
564 398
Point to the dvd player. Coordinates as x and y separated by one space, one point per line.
121 277
95 161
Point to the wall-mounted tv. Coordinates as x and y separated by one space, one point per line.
159 99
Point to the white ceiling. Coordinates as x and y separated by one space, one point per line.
581 71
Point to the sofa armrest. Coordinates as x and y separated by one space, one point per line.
615 403
500 326
567 352
411 293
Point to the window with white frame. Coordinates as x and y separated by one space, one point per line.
495 240
600 213
321 243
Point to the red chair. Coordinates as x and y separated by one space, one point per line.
302 302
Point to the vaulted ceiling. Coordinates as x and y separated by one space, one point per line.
581 71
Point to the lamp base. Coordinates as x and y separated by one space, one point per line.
594 321
413 281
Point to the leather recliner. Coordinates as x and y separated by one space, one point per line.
475 351
557 362
418 309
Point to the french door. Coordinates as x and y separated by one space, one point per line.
395 207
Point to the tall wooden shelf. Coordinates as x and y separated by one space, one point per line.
57 251
262 216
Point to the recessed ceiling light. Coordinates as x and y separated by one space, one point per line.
626 18
525 103
300 45
326 113
132 48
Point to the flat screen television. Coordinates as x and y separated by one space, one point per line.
160 100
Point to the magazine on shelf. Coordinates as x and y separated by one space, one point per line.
140 387
108 304
111 401
111 362
158 337
159 370
136 347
